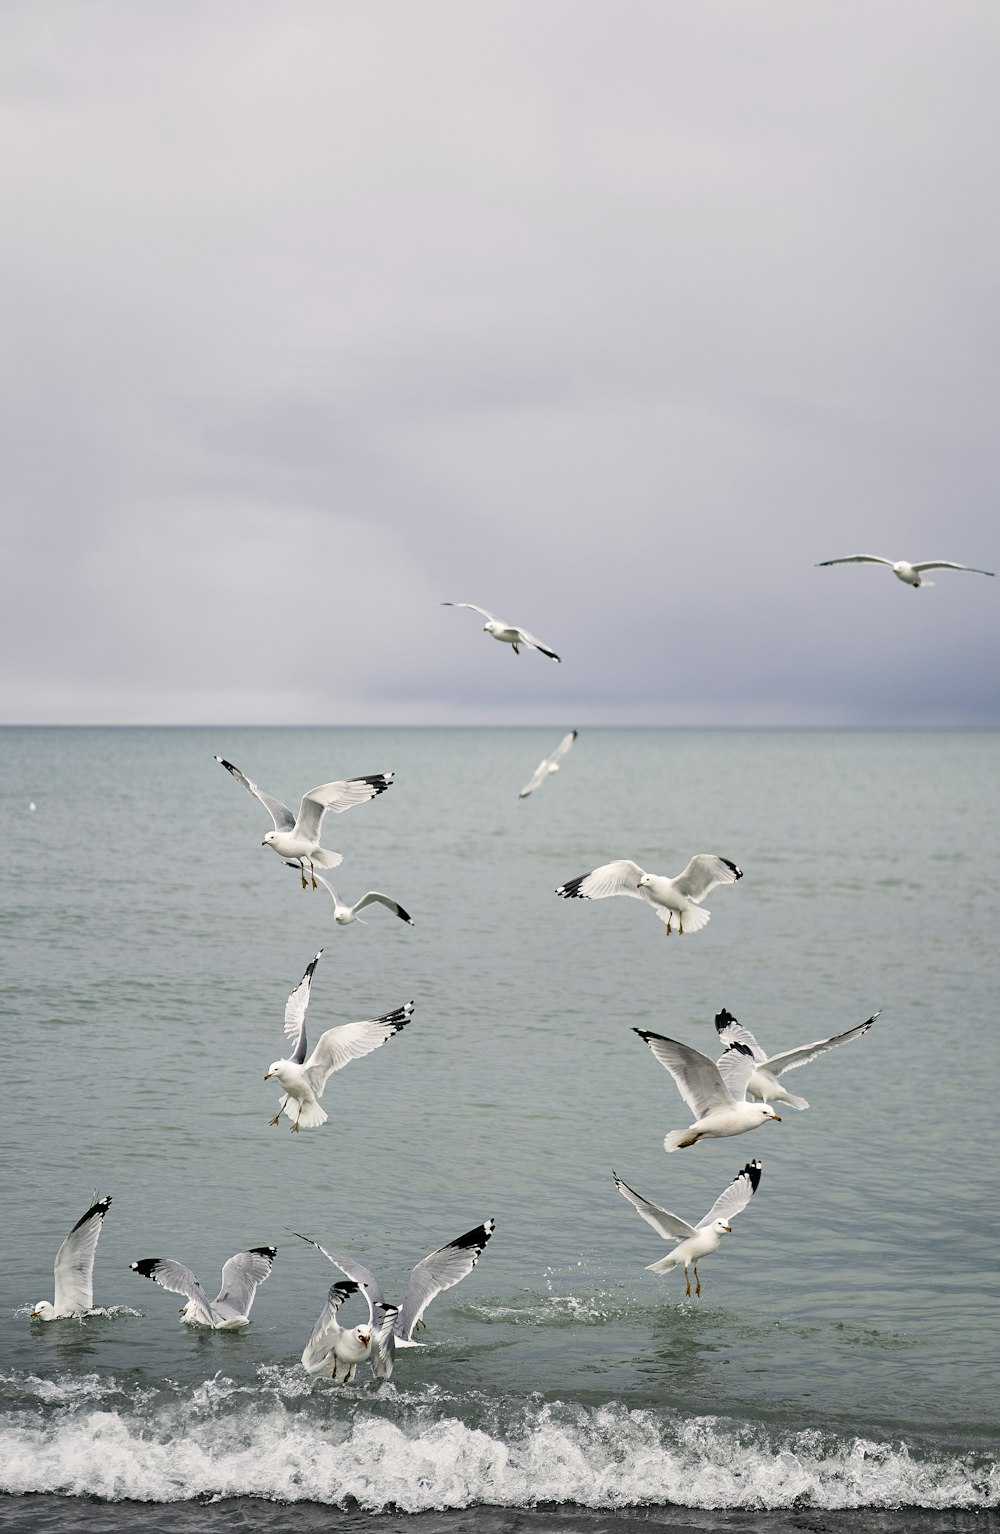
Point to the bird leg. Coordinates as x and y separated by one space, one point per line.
276 1117
697 1281
687 1280
669 920
515 649
295 1127
302 872
312 871
680 925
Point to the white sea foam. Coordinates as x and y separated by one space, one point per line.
415 1453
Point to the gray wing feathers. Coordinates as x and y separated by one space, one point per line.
490 617
316 1353
179 1280
696 1077
351 1041
732 1032
703 874
438 1271
856 559
670 1226
792 1058
736 1065
946 564
341 795
241 1277
74 1264
736 1197
618 878
295 1010
375 897
282 816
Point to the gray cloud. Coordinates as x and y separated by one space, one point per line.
615 319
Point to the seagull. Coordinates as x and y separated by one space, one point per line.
507 633
348 1346
230 1309
694 1241
680 897
763 1084
911 575
304 1080
343 914
547 765
74 1268
297 836
434 1273
715 1091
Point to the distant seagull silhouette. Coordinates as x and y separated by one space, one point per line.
694 1241
297 836
680 897
548 765
74 1268
507 633
911 575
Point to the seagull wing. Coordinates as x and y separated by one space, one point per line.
696 1077
736 1197
736 1065
792 1058
541 772
74 1265
383 1354
490 617
619 878
668 1225
857 559
362 1277
375 897
536 644
240 1278
295 1011
179 1280
337 1047
282 816
342 795
438 1271
703 874
732 1032
946 564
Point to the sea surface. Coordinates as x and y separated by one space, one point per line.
840 1370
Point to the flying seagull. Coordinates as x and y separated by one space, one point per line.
911 575
715 1091
329 1342
507 633
547 765
680 897
296 837
304 1080
434 1273
764 1085
343 914
694 1241
74 1268
230 1309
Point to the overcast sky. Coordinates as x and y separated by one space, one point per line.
614 318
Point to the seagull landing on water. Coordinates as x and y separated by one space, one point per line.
911 575
507 633
764 1085
296 837
74 1268
241 1278
694 1241
332 1344
680 897
434 1273
548 765
304 1080
714 1090
343 914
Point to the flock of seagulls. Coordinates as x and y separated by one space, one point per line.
731 1095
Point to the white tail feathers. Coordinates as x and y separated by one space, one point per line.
793 1102
693 919
324 859
309 1116
663 1266
678 1138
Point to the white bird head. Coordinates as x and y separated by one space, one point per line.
268 839
276 1068
769 1113
43 1311
643 881
722 1227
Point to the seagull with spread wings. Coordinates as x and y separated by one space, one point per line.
305 1079
296 837
241 1278
433 1274
694 1241
332 1344
764 1085
507 633
680 897
548 765
714 1090
74 1268
910 575
344 914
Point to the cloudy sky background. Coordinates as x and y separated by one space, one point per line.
614 318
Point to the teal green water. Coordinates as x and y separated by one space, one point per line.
845 1347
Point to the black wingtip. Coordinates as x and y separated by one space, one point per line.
98 1207
723 1019
753 1170
147 1266
571 889
736 872
264 1251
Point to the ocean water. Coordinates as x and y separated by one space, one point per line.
839 1371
